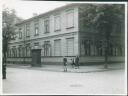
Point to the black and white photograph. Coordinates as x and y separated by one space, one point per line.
63 48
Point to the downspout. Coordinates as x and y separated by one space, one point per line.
79 51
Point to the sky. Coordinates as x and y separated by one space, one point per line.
25 9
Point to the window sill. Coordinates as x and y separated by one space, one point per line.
57 30
27 36
46 32
70 27
36 35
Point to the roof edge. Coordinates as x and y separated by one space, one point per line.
59 8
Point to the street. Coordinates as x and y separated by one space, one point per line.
25 81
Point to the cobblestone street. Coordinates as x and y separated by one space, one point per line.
25 81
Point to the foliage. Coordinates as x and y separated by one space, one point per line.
102 18
9 19
8 26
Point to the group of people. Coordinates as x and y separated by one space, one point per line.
74 63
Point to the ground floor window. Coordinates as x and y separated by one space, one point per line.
47 48
70 46
96 48
28 50
57 47
86 47
14 51
20 50
9 53
99 48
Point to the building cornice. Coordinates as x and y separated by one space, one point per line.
48 37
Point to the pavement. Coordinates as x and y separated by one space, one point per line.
82 69
35 81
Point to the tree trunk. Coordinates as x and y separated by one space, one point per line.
4 66
106 52
5 46
106 58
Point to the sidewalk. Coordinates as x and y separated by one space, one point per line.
82 69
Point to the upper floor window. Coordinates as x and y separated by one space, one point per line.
70 19
57 24
27 30
36 28
20 33
46 26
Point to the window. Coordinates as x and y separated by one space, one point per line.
14 51
8 53
47 48
70 19
20 33
23 51
57 23
28 50
97 48
36 45
70 46
57 47
85 47
11 52
36 28
20 50
13 36
27 30
100 48
46 26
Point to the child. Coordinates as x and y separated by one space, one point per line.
65 64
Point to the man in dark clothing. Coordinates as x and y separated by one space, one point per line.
73 62
77 61
65 64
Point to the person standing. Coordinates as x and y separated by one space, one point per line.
73 63
77 62
65 64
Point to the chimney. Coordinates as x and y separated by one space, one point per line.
35 14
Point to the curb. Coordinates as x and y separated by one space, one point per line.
69 71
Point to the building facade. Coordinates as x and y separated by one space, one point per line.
59 33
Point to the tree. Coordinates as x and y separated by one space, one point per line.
102 18
8 33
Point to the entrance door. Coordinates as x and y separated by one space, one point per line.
36 57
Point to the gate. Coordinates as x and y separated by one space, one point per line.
36 57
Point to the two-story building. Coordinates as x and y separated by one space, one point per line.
61 32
